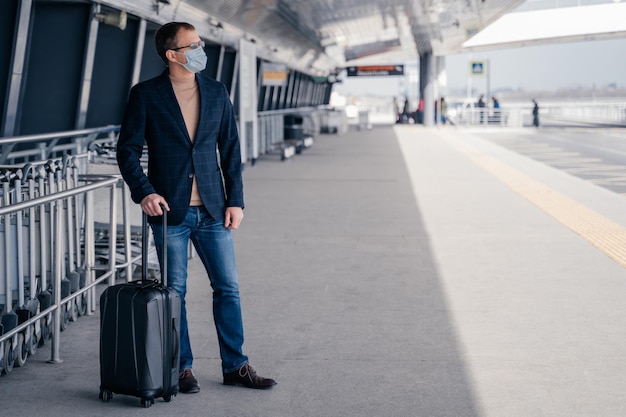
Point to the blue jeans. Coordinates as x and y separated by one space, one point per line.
214 245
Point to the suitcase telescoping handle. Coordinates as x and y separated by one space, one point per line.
144 248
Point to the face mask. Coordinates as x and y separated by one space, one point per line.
196 60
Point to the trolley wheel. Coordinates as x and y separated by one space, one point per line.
45 332
105 396
65 318
9 358
73 310
167 398
49 329
82 311
146 402
1 358
21 351
34 341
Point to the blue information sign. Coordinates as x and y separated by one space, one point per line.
478 68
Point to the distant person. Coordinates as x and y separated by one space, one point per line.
420 111
443 108
405 111
535 113
496 109
481 107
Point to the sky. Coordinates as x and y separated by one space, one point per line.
546 67
532 68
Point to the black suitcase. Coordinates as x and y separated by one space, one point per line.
139 335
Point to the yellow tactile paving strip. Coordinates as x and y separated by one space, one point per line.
606 235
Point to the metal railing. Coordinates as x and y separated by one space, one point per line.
51 145
41 201
54 202
271 128
604 112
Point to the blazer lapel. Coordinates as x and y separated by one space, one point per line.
164 88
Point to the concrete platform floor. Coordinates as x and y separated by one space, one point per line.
401 271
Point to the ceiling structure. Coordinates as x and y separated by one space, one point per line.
320 37
581 23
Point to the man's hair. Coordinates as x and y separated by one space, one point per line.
165 37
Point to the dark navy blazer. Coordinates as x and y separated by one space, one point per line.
153 117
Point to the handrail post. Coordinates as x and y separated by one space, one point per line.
112 234
89 251
56 333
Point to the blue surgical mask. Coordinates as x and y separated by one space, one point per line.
196 60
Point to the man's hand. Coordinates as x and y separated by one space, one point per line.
151 205
233 217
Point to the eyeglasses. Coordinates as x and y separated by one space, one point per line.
192 45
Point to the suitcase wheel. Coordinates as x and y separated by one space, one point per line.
167 398
105 396
147 402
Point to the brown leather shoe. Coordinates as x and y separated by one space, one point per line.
187 383
247 377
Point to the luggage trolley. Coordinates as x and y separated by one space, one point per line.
332 121
127 248
27 303
31 240
24 235
9 270
364 120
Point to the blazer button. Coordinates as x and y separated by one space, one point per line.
190 175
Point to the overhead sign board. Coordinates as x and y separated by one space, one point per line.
273 74
375 70
478 68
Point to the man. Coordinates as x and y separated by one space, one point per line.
443 109
187 120
481 106
496 110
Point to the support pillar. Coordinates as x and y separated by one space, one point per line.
431 67
439 69
427 82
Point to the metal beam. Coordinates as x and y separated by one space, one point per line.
17 69
89 58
